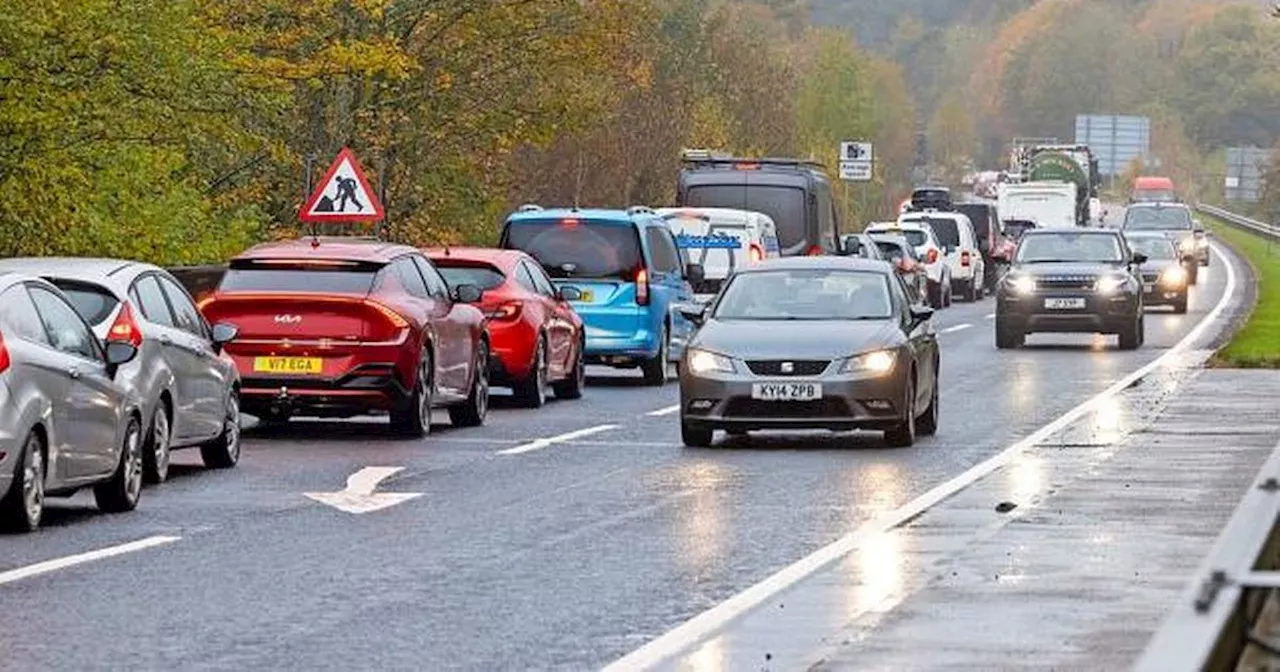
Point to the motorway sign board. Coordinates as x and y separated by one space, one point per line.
1245 169
344 195
855 150
855 171
1116 140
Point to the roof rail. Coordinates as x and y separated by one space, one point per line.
765 161
529 207
640 210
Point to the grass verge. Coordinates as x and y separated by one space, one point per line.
1257 344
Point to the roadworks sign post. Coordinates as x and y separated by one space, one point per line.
343 196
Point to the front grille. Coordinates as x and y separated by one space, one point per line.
1150 277
1067 281
830 407
773 367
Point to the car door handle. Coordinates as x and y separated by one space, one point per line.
74 373
165 340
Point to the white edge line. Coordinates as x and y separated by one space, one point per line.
539 444
668 410
81 558
699 627
990 316
958 327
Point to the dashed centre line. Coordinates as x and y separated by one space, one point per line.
666 410
539 444
81 558
958 327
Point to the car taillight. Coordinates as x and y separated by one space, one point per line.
964 258
507 311
933 256
815 251
125 328
397 321
642 287
755 253
4 355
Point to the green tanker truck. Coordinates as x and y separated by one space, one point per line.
1065 163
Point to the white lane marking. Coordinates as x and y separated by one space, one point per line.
359 496
991 316
958 327
539 444
667 410
79 559
707 623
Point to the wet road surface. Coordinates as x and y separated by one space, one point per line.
555 554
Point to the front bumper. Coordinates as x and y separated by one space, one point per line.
1105 314
1156 293
724 401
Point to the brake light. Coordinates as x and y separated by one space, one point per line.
932 256
569 223
4 355
814 251
125 328
392 316
964 259
755 253
507 311
746 166
642 287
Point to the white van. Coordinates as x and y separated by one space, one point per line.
721 239
959 244
1051 205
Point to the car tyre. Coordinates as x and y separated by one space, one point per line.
934 293
1193 274
532 391
1008 338
1131 336
22 509
904 434
695 437
1180 305
121 492
946 296
927 423
155 455
473 412
413 419
571 387
971 290
224 451
655 369
1205 260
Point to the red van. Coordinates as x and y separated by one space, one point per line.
1153 190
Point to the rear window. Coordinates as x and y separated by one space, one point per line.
915 237
1153 195
278 276
577 249
95 304
485 277
893 252
1149 218
947 231
784 205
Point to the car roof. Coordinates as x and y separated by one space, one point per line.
719 213
823 263
504 258
1075 231
87 268
614 216
900 226
335 248
1159 205
1145 233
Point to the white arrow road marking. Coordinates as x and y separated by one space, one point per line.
359 495
551 441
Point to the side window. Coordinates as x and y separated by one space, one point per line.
662 250
18 316
150 299
184 310
66 331
525 279
436 283
540 279
410 278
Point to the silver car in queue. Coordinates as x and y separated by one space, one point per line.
189 389
66 420
835 343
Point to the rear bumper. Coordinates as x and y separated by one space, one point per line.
367 389
513 345
619 337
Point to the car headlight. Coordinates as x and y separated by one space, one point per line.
1110 284
1021 284
1201 242
1187 244
878 363
701 361
1173 276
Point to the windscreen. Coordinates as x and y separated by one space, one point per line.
891 251
484 276
284 276
784 205
805 295
95 304
1014 228
578 249
1069 247
1154 247
1153 196
1157 219
977 213
915 237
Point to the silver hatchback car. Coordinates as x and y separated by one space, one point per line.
188 388
67 421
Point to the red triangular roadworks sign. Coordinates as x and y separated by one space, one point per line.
343 196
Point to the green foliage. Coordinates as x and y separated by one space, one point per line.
1257 344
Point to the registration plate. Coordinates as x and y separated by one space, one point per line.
1063 304
587 296
786 391
1148 288
288 365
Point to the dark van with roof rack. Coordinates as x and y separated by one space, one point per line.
795 193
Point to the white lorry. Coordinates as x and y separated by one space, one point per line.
1049 205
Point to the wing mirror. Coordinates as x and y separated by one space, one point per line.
920 313
118 354
1139 258
467 294
223 333
569 294
695 274
695 313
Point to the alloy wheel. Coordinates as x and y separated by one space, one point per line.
33 481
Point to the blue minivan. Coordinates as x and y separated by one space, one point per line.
630 272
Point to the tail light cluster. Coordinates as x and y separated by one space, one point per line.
125 329
964 258
5 361
506 312
932 257
755 253
642 287
815 251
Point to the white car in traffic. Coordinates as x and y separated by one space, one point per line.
959 243
926 244
721 240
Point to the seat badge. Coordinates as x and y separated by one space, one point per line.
787 367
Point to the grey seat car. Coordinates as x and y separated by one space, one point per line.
189 389
67 420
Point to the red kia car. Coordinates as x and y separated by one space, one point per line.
334 327
537 336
